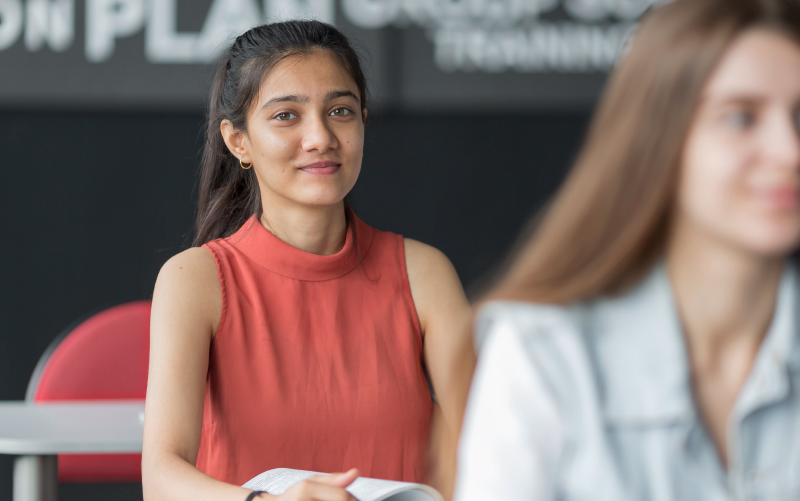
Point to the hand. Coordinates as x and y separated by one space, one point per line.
322 488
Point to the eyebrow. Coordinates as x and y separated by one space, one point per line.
335 94
286 99
737 98
294 98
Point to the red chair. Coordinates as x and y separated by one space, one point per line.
102 358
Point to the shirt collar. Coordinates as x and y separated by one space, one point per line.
272 253
641 354
769 380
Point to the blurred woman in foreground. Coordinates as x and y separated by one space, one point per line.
645 343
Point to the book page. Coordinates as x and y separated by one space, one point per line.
279 480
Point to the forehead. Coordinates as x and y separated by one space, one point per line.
759 63
313 74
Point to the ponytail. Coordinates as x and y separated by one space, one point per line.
229 195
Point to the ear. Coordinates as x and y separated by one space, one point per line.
364 115
236 141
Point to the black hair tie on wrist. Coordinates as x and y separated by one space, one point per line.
255 494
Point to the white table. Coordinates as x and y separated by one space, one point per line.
37 433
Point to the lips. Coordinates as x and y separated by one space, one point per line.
783 197
321 168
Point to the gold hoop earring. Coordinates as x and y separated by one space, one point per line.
248 165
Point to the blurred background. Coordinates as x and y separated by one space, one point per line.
477 110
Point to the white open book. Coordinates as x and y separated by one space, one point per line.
279 480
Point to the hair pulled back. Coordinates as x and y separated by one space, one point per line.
228 194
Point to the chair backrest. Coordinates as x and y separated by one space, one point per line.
104 357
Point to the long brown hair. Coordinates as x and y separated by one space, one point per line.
608 223
228 194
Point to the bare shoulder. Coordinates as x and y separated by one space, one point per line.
190 270
194 263
435 286
422 259
188 286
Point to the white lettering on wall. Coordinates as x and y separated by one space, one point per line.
10 22
371 14
468 35
567 47
50 21
226 20
281 10
593 10
510 35
163 43
107 20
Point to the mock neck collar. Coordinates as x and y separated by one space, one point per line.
272 253
643 359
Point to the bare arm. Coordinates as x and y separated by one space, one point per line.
445 318
187 304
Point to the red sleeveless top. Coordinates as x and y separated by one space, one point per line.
317 361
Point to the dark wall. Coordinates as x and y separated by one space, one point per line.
93 204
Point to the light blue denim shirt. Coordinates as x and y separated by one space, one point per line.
594 402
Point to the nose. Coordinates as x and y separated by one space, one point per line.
318 136
783 143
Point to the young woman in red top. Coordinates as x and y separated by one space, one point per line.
294 335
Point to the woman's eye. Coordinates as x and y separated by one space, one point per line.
285 116
340 112
741 119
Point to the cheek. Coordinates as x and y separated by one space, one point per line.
353 141
275 150
715 196
712 180
352 150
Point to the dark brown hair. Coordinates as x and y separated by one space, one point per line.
228 194
608 223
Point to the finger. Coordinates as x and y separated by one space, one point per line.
315 491
337 479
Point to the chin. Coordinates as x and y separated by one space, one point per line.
321 199
775 242
321 193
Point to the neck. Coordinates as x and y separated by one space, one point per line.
725 295
319 230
